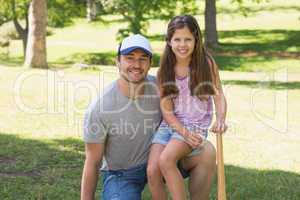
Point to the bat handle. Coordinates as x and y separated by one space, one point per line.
221 172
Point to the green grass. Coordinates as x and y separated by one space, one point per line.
42 153
51 169
40 169
261 40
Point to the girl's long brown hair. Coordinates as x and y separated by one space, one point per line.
202 76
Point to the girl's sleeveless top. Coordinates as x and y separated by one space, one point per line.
193 113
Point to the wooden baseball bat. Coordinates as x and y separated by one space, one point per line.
221 172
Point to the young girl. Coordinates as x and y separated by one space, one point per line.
189 82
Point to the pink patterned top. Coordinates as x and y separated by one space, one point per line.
193 113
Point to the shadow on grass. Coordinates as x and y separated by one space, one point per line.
250 11
57 165
263 46
225 62
11 61
260 46
103 58
40 169
237 63
275 85
253 10
103 19
259 40
267 40
156 37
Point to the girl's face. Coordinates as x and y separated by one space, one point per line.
182 44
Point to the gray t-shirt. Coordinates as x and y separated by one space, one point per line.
125 126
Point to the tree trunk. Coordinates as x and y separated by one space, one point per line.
22 32
211 34
91 10
36 56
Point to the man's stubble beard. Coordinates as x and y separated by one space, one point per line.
132 82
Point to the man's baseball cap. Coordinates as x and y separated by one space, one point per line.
134 42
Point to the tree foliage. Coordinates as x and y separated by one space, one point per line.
137 13
11 8
60 12
211 33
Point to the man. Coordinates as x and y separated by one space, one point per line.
118 130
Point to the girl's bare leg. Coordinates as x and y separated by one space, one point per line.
174 151
155 179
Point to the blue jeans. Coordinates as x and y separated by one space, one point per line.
128 184
124 184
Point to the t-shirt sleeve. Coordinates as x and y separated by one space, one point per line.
94 129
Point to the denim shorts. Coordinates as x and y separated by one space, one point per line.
164 134
127 184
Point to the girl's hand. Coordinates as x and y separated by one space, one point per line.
193 139
219 127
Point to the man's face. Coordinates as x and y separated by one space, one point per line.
134 66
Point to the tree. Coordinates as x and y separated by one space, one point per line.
36 56
91 11
137 13
211 34
12 12
60 13
133 11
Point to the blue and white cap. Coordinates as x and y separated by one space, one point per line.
134 42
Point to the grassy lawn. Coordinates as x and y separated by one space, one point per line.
41 150
41 154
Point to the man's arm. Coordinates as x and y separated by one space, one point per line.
94 154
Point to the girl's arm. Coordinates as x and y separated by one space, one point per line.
219 125
221 108
167 108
